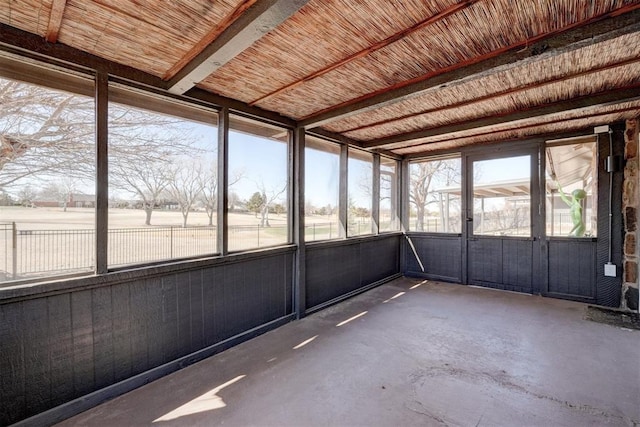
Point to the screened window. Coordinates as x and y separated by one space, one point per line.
360 193
322 187
47 184
434 195
571 189
258 184
502 196
162 180
388 220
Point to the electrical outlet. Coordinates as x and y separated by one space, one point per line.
610 270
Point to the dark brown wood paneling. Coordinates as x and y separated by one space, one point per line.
219 303
103 336
122 331
197 316
155 350
183 290
56 348
209 295
517 265
485 261
61 348
441 257
36 355
501 263
12 374
384 255
169 318
572 268
82 329
139 348
335 269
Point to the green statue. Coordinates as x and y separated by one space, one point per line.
574 201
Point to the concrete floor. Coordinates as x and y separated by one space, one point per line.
413 353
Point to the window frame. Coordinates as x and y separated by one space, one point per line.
460 156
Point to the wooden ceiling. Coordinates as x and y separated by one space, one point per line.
404 76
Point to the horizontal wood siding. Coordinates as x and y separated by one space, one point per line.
441 257
335 269
60 347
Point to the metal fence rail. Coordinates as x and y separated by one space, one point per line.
321 231
7 258
140 245
40 251
36 253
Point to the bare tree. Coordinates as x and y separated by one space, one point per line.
146 180
268 197
143 149
44 132
27 195
420 191
48 134
209 182
185 186
68 186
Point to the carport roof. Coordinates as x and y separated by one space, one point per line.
409 77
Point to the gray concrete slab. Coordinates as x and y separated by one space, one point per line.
410 352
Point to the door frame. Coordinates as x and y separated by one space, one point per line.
537 209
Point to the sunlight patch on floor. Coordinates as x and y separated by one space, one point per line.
419 284
399 294
206 402
303 343
344 322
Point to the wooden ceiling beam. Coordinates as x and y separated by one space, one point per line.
615 24
55 20
255 22
208 38
492 133
617 96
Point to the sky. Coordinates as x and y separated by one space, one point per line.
263 162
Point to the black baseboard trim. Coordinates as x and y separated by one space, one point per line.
420 275
81 404
352 294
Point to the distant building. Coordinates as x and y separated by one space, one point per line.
75 200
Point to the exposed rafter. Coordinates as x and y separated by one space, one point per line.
495 135
369 50
258 20
601 99
55 20
605 27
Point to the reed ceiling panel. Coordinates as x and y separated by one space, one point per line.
483 27
28 15
585 85
149 36
322 33
566 121
544 70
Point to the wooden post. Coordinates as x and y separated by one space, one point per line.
102 171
